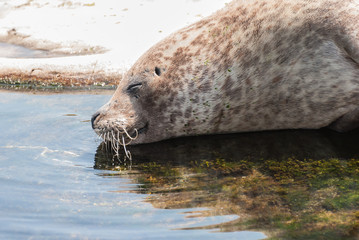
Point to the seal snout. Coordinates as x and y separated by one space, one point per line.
93 119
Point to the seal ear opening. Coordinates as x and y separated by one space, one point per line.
158 71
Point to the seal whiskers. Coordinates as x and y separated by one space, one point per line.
127 152
116 138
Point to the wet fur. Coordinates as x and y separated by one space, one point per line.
254 65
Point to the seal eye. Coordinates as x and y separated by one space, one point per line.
133 89
158 71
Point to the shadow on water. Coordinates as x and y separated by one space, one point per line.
287 184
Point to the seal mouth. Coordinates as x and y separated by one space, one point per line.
120 137
141 130
120 134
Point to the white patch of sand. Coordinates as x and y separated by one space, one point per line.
102 37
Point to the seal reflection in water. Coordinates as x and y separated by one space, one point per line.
252 66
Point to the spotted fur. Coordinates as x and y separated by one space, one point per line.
254 65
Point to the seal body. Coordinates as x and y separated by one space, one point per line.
252 66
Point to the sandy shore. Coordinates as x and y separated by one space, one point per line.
82 43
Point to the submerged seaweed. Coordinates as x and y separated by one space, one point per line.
286 197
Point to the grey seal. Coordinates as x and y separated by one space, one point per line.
252 66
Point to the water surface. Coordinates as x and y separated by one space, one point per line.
53 188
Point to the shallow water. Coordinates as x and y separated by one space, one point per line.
52 187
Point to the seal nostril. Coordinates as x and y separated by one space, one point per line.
93 119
